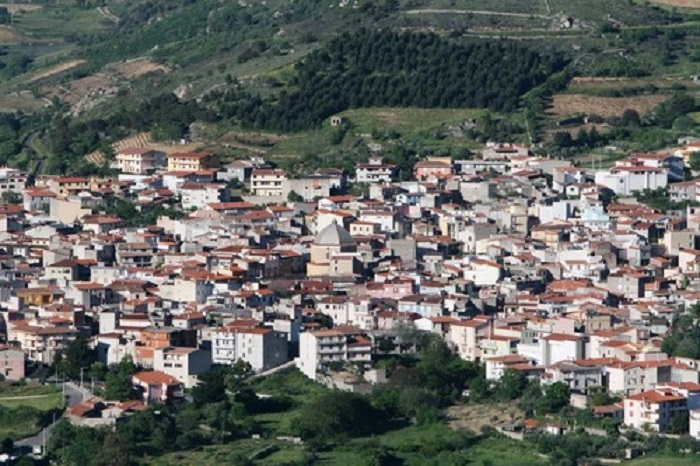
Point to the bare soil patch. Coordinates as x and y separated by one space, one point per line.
575 104
8 35
475 416
679 3
20 7
132 69
56 69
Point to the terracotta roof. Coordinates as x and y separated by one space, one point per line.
156 378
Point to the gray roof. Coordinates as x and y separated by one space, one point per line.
334 235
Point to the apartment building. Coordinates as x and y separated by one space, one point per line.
261 347
375 171
139 161
267 182
654 409
189 161
319 349
182 363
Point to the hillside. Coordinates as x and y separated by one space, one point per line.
279 65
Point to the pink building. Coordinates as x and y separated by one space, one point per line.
12 361
158 387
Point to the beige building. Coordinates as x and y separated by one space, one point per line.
267 182
332 253
139 160
41 344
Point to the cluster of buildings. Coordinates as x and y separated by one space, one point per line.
517 261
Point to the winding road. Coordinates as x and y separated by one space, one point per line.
74 394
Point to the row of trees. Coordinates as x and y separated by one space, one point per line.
384 68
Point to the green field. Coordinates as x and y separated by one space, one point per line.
411 445
665 461
59 22
25 408
411 124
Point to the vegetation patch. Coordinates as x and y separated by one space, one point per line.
580 104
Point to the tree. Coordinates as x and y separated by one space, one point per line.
294 196
677 106
679 424
530 400
683 123
556 397
76 359
336 414
211 387
630 119
695 160
115 451
11 197
98 370
511 385
7 445
562 139
118 385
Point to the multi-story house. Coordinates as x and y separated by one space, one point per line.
654 409
267 182
12 180
375 171
42 343
139 160
190 161
184 364
12 362
261 347
319 350
158 387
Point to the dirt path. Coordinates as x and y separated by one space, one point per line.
475 12
104 11
60 68
27 397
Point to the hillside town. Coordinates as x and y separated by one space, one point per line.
517 261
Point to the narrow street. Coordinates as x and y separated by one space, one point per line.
74 394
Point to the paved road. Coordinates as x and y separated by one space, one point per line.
74 394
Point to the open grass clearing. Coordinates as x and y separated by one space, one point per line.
666 461
577 104
59 22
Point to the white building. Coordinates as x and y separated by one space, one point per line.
375 171
694 426
182 363
654 409
317 350
12 180
139 160
626 179
262 347
198 195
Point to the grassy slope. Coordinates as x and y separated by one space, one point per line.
664 461
41 399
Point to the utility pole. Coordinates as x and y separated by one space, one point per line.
81 377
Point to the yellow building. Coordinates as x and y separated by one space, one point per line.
189 161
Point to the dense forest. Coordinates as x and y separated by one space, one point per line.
384 68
